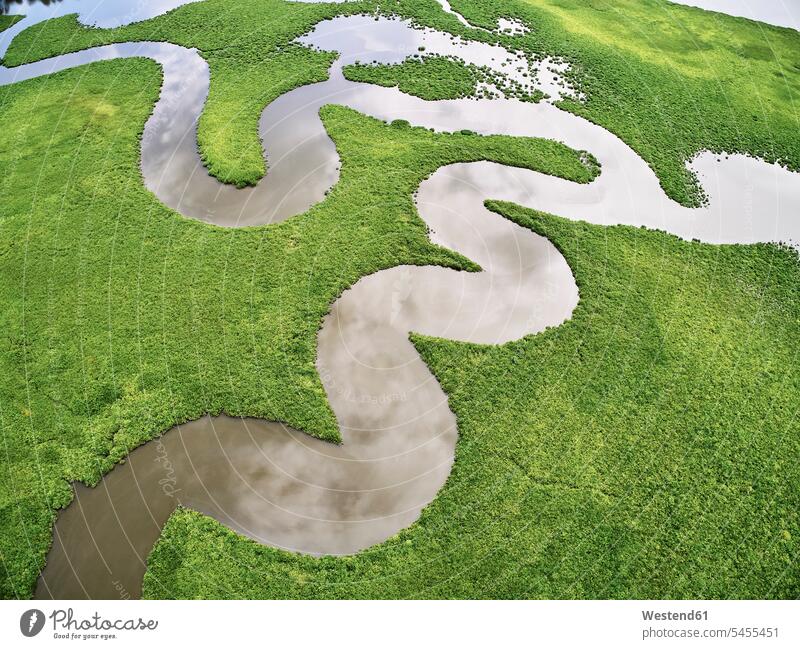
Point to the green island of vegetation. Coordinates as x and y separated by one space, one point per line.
646 448
7 21
431 77
440 77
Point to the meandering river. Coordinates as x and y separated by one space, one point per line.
281 486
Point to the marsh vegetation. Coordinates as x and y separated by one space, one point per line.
646 448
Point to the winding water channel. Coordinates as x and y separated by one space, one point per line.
281 486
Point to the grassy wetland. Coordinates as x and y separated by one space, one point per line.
668 79
611 457
645 449
92 370
7 21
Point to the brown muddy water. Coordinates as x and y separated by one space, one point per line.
280 486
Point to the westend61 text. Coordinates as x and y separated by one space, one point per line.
676 615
